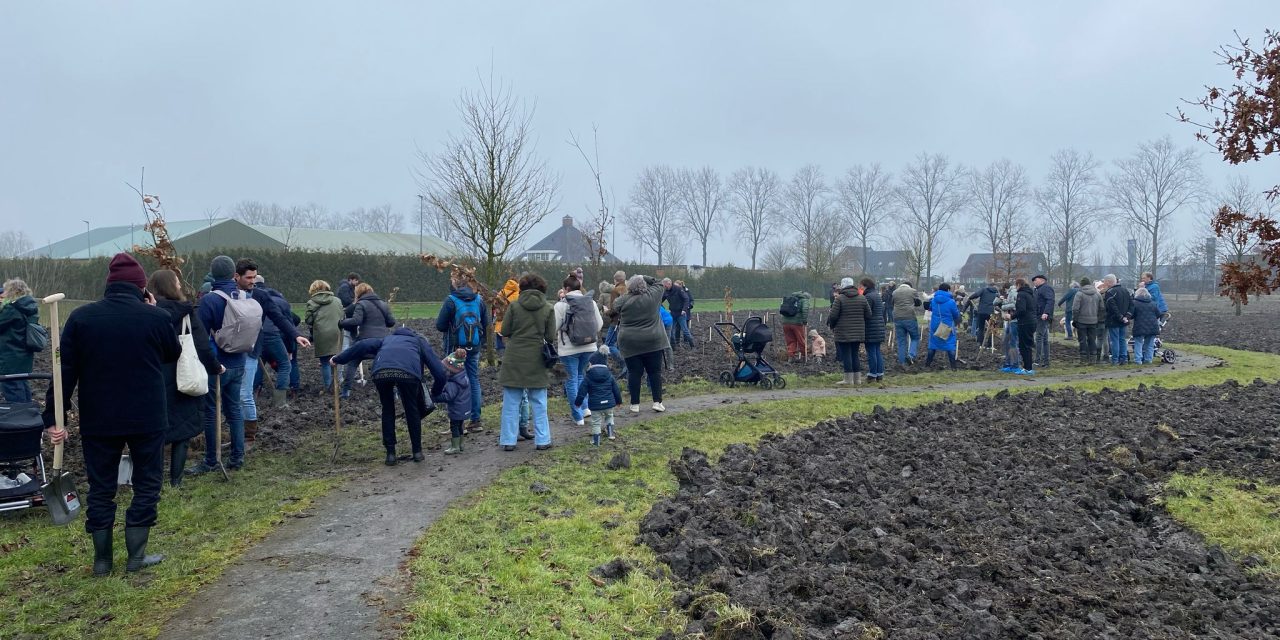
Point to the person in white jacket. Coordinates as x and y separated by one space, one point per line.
578 325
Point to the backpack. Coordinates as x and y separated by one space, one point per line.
577 327
790 306
241 322
466 323
37 337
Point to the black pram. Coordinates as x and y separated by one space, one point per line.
749 343
21 464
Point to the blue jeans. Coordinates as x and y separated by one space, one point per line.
1144 349
902 330
576 368
295 373
326 371
1069 330
875 360
248 404
273 350
16 390
847 355
231 383
611 340
1119 346
1010 346
680 328
473 376
511 398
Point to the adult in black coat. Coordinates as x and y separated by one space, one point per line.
1025 311
1045 300
1118 303
874 331
186 418
116 351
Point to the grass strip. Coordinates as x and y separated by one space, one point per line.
1241 516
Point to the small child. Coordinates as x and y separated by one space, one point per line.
818 350
602 394
457 396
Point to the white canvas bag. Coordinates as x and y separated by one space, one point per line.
193 380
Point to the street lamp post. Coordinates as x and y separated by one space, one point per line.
88 246
422 200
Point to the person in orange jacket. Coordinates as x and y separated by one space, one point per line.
510 292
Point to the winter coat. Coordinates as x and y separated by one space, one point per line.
456 395
1157 298
116 351
211 309
1067 299
266 295
599 389
1024 309
805 303
1145 317
1045 300
511 292
1086 306
370 318
346 293
563 346
677 299
875 324
945 311
987 300
640 328
403 350
849 316
666 318
1117 302
186 417
14 318
444 321
529 323
324 313
905 302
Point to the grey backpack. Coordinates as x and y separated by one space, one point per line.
241 322
579 320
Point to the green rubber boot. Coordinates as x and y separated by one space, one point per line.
455 447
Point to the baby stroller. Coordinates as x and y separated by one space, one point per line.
21 464
1167 356
748 344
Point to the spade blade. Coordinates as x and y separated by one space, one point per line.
61 497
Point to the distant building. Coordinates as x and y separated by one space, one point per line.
566 244
882 265
190 236
979 268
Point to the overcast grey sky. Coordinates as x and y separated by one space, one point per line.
326 101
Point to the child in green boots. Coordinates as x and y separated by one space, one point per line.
457 397
601 392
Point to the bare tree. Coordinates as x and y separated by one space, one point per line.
998 197
820 232
676 247
1069 200
913 245
653 216
701 195
13 243
931 192
487 181
753 196
380 219
1150 186
595 229
779 255
867 201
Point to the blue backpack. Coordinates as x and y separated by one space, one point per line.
468 333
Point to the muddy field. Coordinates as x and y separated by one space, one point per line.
1015 516
1250 331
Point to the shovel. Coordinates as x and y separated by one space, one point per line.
125 475
337 419
60 494
217 429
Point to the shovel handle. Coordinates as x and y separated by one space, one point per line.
55 336
57 459
53 298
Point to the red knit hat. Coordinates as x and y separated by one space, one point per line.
124 268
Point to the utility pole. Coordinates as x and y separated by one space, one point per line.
421 205
88 246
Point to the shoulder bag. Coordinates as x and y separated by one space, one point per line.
193 380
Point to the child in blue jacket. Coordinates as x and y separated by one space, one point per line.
456 396
602 394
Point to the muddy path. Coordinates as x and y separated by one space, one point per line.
338 572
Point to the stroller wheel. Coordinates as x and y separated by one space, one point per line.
726 378
1167 356
780 382
766 383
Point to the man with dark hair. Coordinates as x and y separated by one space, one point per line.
679 303
274 349
116 350
464 321
986 306
1025 313
1045 301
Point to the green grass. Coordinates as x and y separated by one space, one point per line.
504 552
1243 517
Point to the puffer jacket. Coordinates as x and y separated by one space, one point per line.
849 316
510 292
527 325
403 350
456 396
186 418
1145 317
875 324
639 323
599 389
324 314
370 318
1086 306
14 318
1157 298
943 311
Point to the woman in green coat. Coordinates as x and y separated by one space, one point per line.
324 311
19 310
529 323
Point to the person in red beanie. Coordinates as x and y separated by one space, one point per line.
115 351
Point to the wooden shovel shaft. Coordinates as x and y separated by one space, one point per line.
217 419
55 335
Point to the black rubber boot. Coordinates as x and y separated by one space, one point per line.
524 434
101 552
135 541
177 462
391 457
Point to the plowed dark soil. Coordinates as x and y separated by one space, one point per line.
1249 331
1015 516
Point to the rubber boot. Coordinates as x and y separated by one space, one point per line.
391 456
101 552
848 378
135 540
857 378
250 431
524 433
279 398
177 463
455 446
595 439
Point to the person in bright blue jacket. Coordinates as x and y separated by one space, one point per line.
668 354
398 360
1153 287
945 312
601 394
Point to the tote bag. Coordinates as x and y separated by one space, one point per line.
193 380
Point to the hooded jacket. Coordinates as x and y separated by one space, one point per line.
456 395
211 309
905 302
875 324
599 389
1086 306
324 313
639 323
1145 317
403 350
14 318
444 321
185 417
1157 298
370 318
944 311
1024 309
529 323
510 291
849 316
804 302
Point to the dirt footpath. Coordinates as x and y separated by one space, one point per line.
337 572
